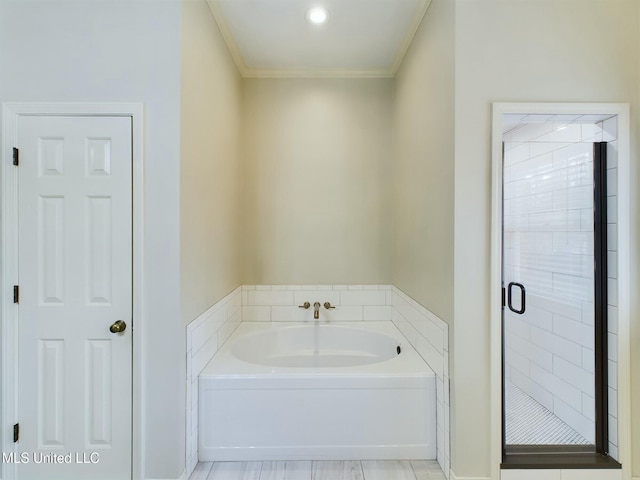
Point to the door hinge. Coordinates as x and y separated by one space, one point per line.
16 156
504 302
16 294
16 432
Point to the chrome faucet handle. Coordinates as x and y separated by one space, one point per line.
305 305
327 305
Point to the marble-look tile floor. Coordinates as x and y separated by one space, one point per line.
320 470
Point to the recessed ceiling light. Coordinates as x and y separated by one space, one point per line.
317 15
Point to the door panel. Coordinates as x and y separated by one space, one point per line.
75 276
548 274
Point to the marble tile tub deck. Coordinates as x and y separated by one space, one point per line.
320 470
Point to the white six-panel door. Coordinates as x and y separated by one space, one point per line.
75 279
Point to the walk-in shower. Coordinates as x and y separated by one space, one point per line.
559 216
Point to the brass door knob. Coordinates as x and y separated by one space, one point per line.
118 326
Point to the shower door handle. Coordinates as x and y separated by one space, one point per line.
523 297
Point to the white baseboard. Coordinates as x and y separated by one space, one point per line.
453 476
181 477
320 453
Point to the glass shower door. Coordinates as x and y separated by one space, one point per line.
550 280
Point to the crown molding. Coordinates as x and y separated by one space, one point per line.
316 73
228 37
418 16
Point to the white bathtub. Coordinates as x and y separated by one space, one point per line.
287 391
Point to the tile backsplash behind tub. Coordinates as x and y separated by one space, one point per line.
273 303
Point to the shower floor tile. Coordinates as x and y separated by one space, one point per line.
529 423
320 470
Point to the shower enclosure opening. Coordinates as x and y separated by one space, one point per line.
559 283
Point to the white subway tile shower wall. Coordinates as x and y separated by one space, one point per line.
548 223
205 335
424 330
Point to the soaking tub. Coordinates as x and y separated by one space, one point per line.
287 391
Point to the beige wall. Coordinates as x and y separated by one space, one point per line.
423 165
211 94
544 50
316 191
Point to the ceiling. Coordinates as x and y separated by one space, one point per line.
363 38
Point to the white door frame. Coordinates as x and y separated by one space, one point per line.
11 113
625 241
